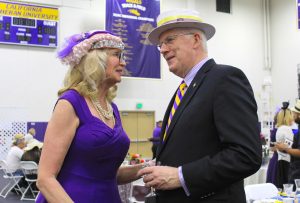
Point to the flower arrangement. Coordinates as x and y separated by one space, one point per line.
135 159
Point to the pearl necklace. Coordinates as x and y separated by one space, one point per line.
101 111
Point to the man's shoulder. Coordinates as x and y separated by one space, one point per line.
225 68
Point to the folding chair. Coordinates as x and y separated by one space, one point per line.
13 180
29 169
138 191
260 191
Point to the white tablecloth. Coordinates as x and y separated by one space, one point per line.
259 177
265 201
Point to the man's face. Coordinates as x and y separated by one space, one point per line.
177 49
22 144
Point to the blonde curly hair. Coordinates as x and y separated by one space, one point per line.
88 74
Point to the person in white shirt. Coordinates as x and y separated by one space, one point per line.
284 135
15 153
29 136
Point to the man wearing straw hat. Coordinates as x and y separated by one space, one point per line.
210 136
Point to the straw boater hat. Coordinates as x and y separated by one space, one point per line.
18 137
296 108
33 143
180 18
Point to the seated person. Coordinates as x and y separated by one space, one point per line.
32 151
15 153
30 135
13 159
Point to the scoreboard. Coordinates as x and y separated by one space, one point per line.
24 24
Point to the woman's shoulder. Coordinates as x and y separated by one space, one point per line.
284 127
16 150
71 93
73 96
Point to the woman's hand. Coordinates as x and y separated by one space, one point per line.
281 146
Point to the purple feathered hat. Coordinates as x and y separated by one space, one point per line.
78 45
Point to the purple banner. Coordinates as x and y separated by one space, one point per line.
132 20
40 129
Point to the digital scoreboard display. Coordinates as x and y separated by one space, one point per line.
26 24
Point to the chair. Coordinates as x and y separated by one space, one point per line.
138 191
260 191
13 180
29 169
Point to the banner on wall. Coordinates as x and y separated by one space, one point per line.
40 129
132 20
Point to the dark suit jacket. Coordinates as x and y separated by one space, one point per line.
214 136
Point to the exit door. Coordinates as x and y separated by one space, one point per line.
139 126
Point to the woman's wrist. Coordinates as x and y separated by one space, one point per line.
145 164
286 150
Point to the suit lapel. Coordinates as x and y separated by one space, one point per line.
192 89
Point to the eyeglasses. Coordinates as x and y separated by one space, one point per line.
170 39
120 54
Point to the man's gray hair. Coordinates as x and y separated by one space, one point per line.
200 32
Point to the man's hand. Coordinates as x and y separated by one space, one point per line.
160 177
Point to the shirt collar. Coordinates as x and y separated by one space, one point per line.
192 73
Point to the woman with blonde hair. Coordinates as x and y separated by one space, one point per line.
15 153
284 134
85 142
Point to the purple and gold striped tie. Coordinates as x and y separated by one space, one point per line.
179 95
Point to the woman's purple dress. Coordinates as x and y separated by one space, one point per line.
272 167
89 170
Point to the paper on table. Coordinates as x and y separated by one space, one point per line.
265 201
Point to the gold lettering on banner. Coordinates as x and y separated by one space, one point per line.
134 12
134 1
28 11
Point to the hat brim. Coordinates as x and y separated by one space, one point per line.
295 110
208 29
31 146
